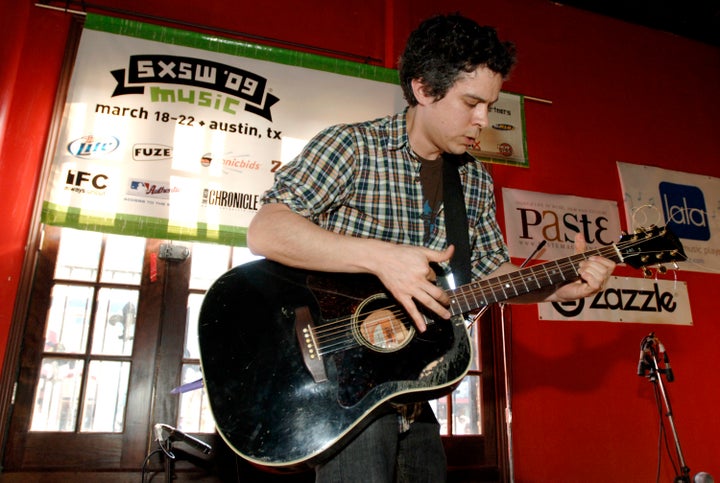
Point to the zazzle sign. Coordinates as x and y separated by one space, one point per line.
627 299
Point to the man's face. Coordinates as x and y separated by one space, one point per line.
453 123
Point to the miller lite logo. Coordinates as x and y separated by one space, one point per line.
93 146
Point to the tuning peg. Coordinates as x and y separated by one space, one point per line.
647 272
662 269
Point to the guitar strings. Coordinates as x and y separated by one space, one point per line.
337 335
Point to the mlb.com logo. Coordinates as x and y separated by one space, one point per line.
685 211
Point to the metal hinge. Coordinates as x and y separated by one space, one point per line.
176 253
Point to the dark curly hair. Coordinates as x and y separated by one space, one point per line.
444 46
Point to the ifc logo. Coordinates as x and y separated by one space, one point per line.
684 210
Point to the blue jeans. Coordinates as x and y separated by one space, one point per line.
382 454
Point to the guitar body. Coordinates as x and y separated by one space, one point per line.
295 363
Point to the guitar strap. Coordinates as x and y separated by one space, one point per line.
456 223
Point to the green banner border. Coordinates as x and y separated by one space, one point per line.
144 226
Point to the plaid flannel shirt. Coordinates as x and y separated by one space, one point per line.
364 180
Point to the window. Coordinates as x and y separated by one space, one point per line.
89 334
111 349
460 413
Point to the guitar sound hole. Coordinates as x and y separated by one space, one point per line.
381 325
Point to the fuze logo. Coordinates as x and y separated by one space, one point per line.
684 210
151 152
93 147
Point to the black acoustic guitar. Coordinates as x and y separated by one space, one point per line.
297 362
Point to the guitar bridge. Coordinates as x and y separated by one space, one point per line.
305 333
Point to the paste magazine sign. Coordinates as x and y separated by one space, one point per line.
533 218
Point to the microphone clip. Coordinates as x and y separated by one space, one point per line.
165 435
650 353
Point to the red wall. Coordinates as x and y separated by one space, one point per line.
619 93
28 82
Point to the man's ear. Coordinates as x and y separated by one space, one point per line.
420 93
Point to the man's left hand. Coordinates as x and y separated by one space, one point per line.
594 273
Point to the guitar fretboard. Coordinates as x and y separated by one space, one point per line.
497 289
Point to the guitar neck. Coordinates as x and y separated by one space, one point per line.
523 281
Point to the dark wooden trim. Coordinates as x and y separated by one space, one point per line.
141 398
31 356
171 341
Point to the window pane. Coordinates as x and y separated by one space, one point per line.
123 259
466 401
69 319
192 348
474 342
78 255
195 415
104 404
242 255
57 394
439 407
115 322
208 263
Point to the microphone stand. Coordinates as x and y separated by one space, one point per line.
655 377
507 379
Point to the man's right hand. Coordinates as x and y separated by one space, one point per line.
286 237
406 272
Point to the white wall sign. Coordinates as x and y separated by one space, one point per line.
625 299
531 218
689 204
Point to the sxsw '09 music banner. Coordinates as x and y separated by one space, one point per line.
175 135
687 203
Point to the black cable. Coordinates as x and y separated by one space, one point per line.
662 436
144 465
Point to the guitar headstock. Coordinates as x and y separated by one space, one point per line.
650 246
